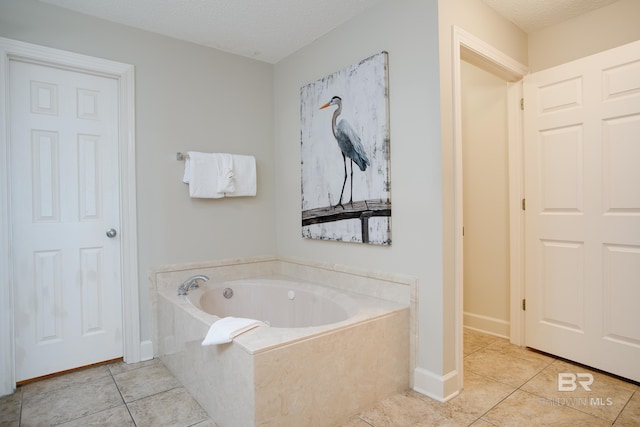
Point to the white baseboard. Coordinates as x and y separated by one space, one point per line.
146 350
489 325
438 387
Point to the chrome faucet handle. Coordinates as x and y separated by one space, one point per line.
190 283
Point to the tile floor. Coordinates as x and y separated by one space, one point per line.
142 394
505 385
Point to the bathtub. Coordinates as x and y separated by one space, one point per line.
279 303
323 355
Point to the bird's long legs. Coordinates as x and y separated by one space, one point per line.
344 160
344 183
351 193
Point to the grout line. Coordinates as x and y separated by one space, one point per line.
501 400
625 406
155 394
21 406
365 421
126 405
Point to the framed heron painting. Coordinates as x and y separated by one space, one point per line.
344 131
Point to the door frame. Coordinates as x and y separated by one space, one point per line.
471 49
124 74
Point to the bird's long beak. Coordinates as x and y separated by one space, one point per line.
325 105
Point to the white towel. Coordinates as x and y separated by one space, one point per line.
227 328
201 173
244 174
226 180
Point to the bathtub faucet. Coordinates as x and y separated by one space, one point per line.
191 283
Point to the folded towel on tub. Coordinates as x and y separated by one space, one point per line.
227 328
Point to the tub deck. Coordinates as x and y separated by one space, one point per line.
311 376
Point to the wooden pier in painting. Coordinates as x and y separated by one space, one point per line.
362 210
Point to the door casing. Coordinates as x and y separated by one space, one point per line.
124 74
475 51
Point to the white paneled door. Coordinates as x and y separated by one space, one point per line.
64 202
582 186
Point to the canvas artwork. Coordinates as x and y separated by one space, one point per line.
345 154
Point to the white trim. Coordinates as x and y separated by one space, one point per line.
516 214
124 74
7 373
146 350
476 51
438 387
488 325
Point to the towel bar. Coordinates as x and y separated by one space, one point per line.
181 156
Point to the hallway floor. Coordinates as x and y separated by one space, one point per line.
505 385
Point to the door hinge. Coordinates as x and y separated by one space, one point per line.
524 204
524 304
522 104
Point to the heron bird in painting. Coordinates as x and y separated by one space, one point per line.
349 143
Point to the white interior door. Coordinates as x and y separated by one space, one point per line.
582 186
64 198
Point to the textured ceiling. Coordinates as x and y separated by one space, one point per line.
532 15
270 30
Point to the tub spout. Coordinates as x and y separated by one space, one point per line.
191 283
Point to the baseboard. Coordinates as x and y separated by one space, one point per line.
438 387
146 350
489 325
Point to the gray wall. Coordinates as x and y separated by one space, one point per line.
408 30
188 97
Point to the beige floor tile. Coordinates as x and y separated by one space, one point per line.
524 409
70 403
354 422
143 382
170 408
413 409
504 347
503 367
10 409
474 340
630 415
82 376
482 423
116 417
479 395
120 367
607 397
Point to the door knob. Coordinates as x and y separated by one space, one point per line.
111 233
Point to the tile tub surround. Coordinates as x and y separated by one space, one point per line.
310 380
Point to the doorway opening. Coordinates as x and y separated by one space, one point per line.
472 50
485 201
